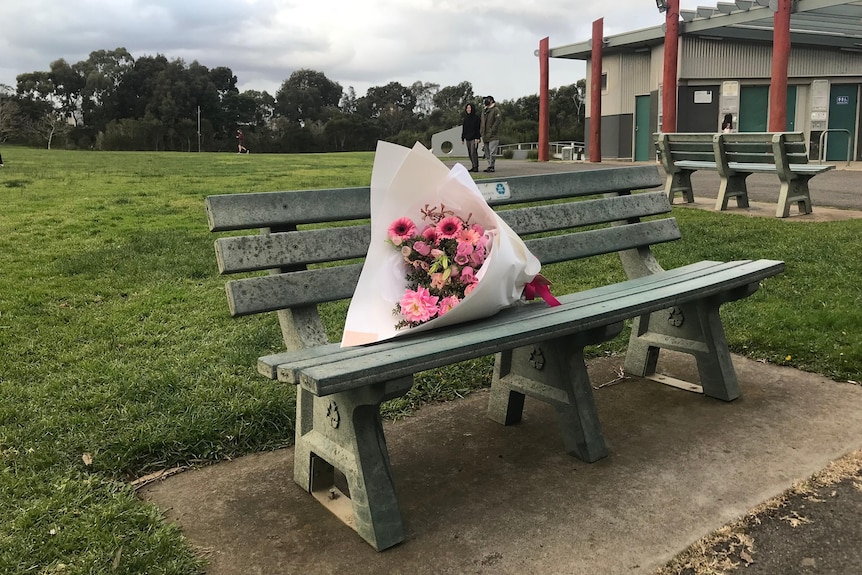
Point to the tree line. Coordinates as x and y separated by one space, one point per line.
112 101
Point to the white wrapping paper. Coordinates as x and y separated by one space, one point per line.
403 182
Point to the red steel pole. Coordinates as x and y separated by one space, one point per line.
544 114
596 92
671 48
780 61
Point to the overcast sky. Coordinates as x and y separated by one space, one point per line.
359 43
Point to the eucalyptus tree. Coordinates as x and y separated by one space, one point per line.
308 96
60 88
449 103
391 106
103 72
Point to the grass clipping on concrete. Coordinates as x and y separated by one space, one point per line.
732 547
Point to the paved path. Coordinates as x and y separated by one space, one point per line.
485 499
840 188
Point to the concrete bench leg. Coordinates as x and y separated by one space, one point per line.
554 372
679 182
733 186
795 190
343 432
693 328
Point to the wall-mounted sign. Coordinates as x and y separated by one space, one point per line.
842 100
728 100
703 96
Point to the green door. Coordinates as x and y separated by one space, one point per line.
791 109
842 116
753 108
643 138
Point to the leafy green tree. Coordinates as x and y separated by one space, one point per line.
308 96
450 102
103 72
348 101
60 88
423 95
136 89
391 106
454 97
9 113
566 112
350 132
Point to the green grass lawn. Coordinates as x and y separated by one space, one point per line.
118 349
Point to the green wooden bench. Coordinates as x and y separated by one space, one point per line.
736 156
340 450
681 155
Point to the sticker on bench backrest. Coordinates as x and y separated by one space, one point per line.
495 191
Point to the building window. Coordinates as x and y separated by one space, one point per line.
605 82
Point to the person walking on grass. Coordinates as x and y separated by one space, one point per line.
470 135
490 130
240 138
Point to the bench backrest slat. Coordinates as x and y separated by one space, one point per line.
757 147
300 288
295 234
282 210
585 213
675 147
289 249
603 241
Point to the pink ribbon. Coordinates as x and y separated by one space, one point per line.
539 287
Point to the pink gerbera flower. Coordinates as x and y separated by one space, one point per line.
401 230
470 235
429 234
419 305
449 228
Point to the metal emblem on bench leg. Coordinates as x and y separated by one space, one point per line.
675 317
333 415
537 358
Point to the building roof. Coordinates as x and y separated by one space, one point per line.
835 24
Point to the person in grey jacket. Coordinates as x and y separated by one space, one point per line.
470 135
490 130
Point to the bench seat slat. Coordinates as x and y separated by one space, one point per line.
696 165
770 168
519 326
269 365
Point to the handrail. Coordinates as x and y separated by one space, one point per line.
555 147
821 155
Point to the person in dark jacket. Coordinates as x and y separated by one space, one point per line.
470 135
490 131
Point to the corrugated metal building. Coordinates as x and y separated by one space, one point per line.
724 66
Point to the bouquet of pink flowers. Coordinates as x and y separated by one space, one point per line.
439 255
441 262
